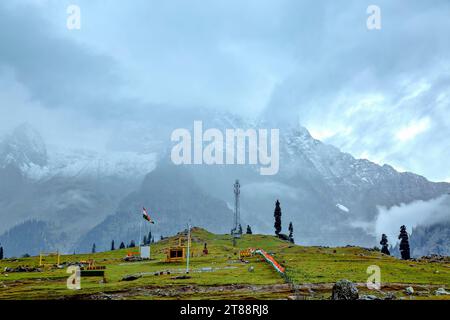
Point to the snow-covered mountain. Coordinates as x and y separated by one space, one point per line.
79 162
70 190
85 196
331 197
26 150
24 147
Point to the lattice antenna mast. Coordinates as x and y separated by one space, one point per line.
237 213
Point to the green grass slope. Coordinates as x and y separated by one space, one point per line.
221 275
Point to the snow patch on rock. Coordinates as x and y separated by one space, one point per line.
342 207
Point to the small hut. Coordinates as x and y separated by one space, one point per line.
176 253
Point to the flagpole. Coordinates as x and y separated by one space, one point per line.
140 226
188 248
150 240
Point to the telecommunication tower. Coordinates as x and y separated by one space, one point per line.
236 232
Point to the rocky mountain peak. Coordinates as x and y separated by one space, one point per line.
24 146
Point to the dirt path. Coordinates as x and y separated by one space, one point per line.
277 291
180 292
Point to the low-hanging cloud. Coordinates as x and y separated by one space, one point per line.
381 95
417 213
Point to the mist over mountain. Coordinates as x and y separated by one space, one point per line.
431 239
81 197
32 237
71 190
172 199
106 98
331 197
24 147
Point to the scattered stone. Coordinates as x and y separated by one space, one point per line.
344 290
441 292
132 259
368 297
435 258
22 269
251 269
390 296
409 291
131 277
180 277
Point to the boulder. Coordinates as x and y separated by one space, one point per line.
344 290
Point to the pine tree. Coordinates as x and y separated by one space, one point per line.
1 253
277 215
384 245
240 229
249 230
291 232
404 243
93 248
153 239
122 245
144 241
112 246
132 244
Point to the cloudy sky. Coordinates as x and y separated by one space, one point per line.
377 94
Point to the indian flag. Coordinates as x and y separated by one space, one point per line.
146 216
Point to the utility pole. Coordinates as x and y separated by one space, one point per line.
188 248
